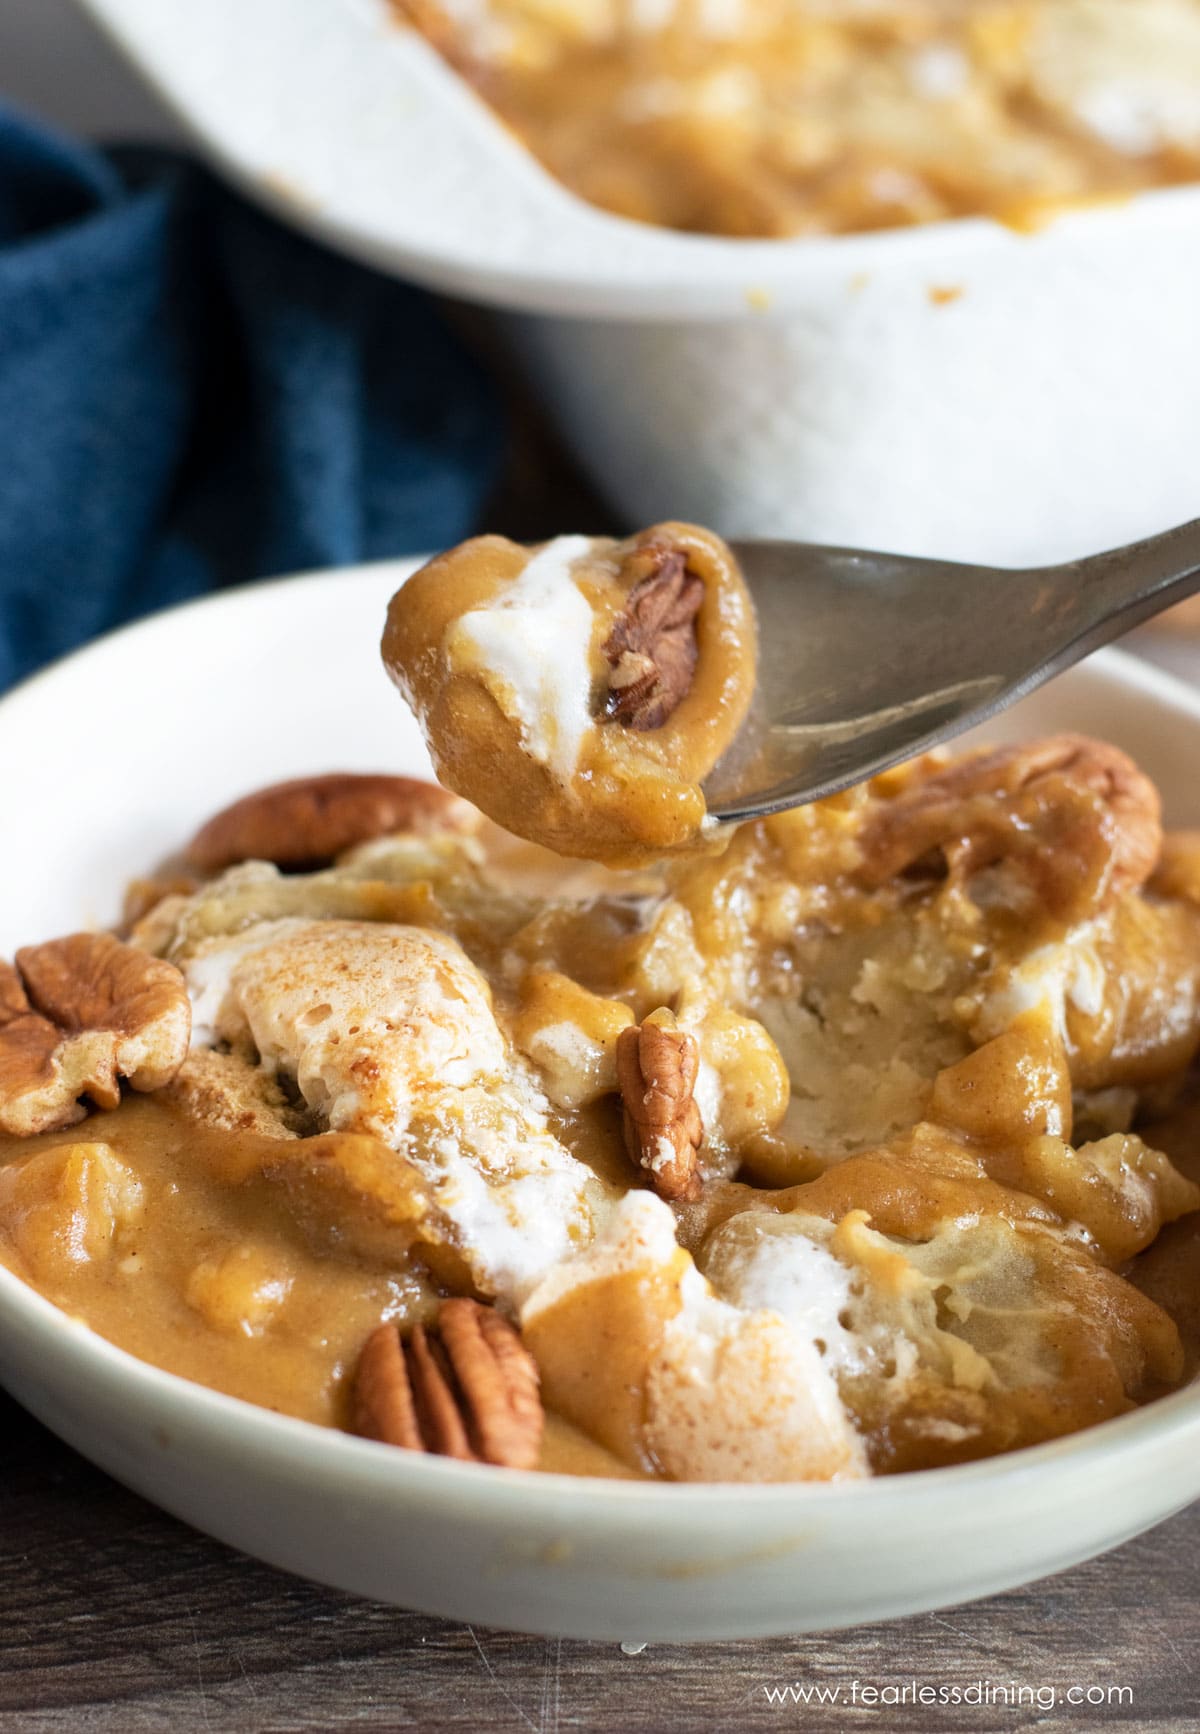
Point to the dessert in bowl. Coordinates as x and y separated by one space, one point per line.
830 1148
716 1309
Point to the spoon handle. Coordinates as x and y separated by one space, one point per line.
1095 599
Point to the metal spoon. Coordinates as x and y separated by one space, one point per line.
866 659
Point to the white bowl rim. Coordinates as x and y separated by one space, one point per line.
588 262
292 1441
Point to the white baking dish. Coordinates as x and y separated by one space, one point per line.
819 388
541 1553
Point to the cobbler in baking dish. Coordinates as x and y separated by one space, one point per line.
792 117
865 1143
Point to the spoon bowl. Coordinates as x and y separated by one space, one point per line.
866 659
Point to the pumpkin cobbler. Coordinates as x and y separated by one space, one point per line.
863 1138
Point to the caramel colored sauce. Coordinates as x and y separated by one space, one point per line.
212 1281
219 1283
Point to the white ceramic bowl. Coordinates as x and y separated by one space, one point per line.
813 388
106 762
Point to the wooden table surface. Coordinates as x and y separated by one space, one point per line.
116 1617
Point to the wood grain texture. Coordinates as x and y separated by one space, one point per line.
115 1617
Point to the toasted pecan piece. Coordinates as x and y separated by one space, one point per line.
76 1016
305 824
465 1388
657 1068
651 650
1076 814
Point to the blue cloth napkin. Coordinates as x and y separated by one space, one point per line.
191 395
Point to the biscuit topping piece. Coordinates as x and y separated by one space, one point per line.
657 1068
678 1378
466 1388
389 1030
76 1016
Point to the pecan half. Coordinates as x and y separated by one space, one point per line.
305 824
76 1016
657 1068
1075 815
466 1388
651 650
